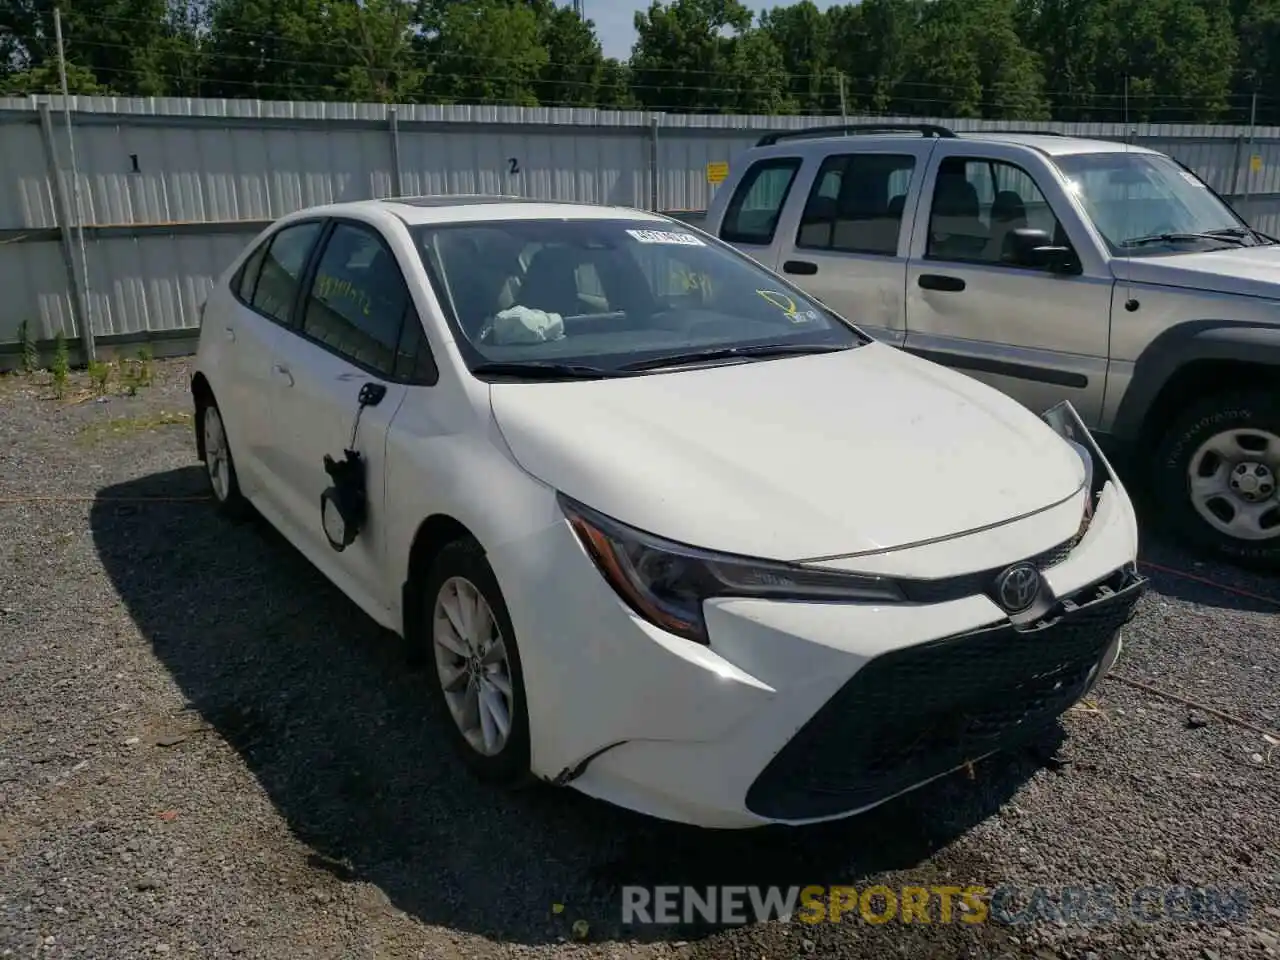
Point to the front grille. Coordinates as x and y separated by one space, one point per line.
912 714
969 584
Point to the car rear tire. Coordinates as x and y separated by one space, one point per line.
1216 476
474 664
220 466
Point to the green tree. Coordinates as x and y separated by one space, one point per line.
876 46
379 63
703 55
481 51
1071 67
109 38
575 67
272 50
1179 57
803 36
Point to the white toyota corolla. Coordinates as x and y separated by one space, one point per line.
669 531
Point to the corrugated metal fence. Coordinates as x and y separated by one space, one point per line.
172 189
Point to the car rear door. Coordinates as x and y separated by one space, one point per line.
357 327
842 238
1038 335
261 304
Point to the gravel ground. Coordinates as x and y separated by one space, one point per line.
206 750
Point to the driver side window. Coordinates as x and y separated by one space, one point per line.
978 204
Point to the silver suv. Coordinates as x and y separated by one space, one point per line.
1052 268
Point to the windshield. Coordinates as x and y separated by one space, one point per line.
1146 204
602 295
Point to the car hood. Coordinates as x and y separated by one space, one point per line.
797 458
1244 271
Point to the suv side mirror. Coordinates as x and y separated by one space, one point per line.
1029 247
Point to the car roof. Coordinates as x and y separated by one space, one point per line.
1046 142
471 208
1057 145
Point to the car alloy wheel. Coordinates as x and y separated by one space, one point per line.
473 666
217 454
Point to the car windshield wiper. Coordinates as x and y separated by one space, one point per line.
1259 239
541 370
1181 238
733 353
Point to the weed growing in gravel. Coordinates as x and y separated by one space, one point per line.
130 377
61 365
119 427
30 355
99 375
145 357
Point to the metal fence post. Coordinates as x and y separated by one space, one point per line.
393 115
87 343
1236 169
79 302
654 173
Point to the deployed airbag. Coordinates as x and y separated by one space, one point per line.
525 325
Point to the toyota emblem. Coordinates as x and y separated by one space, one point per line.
1018 587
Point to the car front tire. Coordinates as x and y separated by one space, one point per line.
473 664
1217 476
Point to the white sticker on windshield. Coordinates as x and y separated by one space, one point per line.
665 236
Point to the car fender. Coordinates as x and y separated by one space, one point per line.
1192 341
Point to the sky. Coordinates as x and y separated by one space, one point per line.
614 19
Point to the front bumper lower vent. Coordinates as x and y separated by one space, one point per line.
912 714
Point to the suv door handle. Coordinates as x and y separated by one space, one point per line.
230 333
800 266
936 281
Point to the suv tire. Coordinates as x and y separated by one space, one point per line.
1232 442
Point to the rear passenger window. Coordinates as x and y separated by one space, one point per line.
753 210
358 299
277 286
857 203
248 276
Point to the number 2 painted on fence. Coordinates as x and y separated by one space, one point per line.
513 165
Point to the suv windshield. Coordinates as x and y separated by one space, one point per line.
1146 204
603 297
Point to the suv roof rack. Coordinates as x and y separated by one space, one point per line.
924 129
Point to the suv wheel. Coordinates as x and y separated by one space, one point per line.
1217 476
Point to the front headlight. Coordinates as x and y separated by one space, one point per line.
666 583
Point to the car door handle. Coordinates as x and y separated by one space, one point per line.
281 371
230 333
800 266
936 281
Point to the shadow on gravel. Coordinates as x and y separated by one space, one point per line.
318 703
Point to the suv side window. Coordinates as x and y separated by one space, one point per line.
358 299
753 210
978 203
857 203
287 254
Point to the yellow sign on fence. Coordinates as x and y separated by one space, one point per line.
1255 163
717 172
